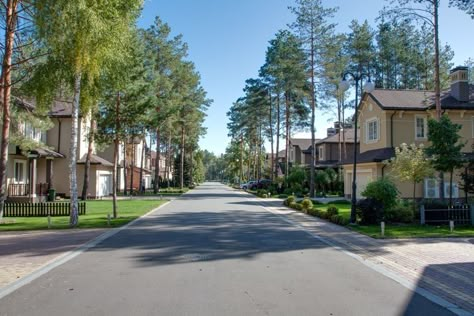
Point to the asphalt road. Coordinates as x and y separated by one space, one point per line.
214 252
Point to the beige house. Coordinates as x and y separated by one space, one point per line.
30 176
389 118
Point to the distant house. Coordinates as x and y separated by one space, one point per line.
389 118
332 150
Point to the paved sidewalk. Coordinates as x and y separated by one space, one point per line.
21 253
442 266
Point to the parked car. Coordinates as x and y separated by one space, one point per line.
247 185
263 184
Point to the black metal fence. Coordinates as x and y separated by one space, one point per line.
19 209
460 215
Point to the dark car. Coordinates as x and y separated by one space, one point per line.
262 184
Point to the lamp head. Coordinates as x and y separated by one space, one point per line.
344 85
369 86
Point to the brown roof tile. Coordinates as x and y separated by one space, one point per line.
418 100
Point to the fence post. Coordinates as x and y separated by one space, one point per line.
108 219
382 229
451 226
472 214
422 214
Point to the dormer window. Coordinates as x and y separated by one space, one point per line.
372 130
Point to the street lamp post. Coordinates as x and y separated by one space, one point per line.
368 87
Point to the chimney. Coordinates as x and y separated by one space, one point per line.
460 84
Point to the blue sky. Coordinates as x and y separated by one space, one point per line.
228 39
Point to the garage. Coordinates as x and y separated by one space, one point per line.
105 185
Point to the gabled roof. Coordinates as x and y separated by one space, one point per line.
303 143
376 155
96 160
348 133
43 152
61 108
417 100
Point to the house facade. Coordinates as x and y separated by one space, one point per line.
389 118
335 148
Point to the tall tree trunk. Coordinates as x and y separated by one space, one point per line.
125 167
277 134
436 43
74 217
116 153
87 166
451 188
142 160
191 168
313 118
181 165
169 160
11 17
156 183
272 161
132 165
241 171
287 136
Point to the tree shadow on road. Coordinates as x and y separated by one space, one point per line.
205 236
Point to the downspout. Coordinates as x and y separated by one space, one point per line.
59 136
391 131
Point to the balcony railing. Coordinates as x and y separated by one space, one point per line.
23 189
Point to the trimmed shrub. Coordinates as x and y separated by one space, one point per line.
262 193
399 214
293 204
299 207
323 214
282 196
369 211
384 191
289 200
332 210
307 204
314 211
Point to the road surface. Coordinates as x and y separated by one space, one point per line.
214 252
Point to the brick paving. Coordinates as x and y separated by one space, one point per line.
442 266
21 253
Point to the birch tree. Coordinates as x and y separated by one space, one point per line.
80 36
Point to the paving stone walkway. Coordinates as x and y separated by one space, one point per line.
442 266
21 253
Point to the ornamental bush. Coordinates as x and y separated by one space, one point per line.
382 190
332 210
307 204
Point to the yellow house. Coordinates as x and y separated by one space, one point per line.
389 118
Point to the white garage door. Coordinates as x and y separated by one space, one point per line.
105 185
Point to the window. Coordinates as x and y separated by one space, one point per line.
420 127
20 171
372 130
431 188
321 153
455 190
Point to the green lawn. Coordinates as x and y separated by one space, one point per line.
414 231
404 231
96 216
